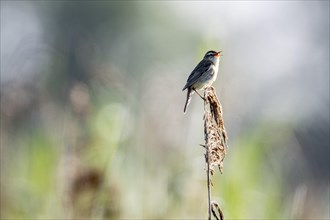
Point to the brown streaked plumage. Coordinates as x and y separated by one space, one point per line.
204 74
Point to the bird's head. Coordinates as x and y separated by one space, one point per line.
212 55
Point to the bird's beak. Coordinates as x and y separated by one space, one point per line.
218 54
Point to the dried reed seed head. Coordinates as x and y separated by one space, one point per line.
214 130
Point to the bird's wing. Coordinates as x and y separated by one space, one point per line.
201 68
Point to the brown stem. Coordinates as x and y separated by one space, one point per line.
208 182
215 144
207 156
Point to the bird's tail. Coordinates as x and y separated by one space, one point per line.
189 94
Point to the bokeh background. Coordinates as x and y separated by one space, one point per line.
92 122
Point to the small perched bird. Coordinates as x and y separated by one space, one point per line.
204 74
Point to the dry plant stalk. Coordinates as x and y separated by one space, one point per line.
214 130
215 142
216 208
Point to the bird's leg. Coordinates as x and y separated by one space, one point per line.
199 94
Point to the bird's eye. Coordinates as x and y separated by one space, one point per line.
210 54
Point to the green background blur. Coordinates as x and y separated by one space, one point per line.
92 122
